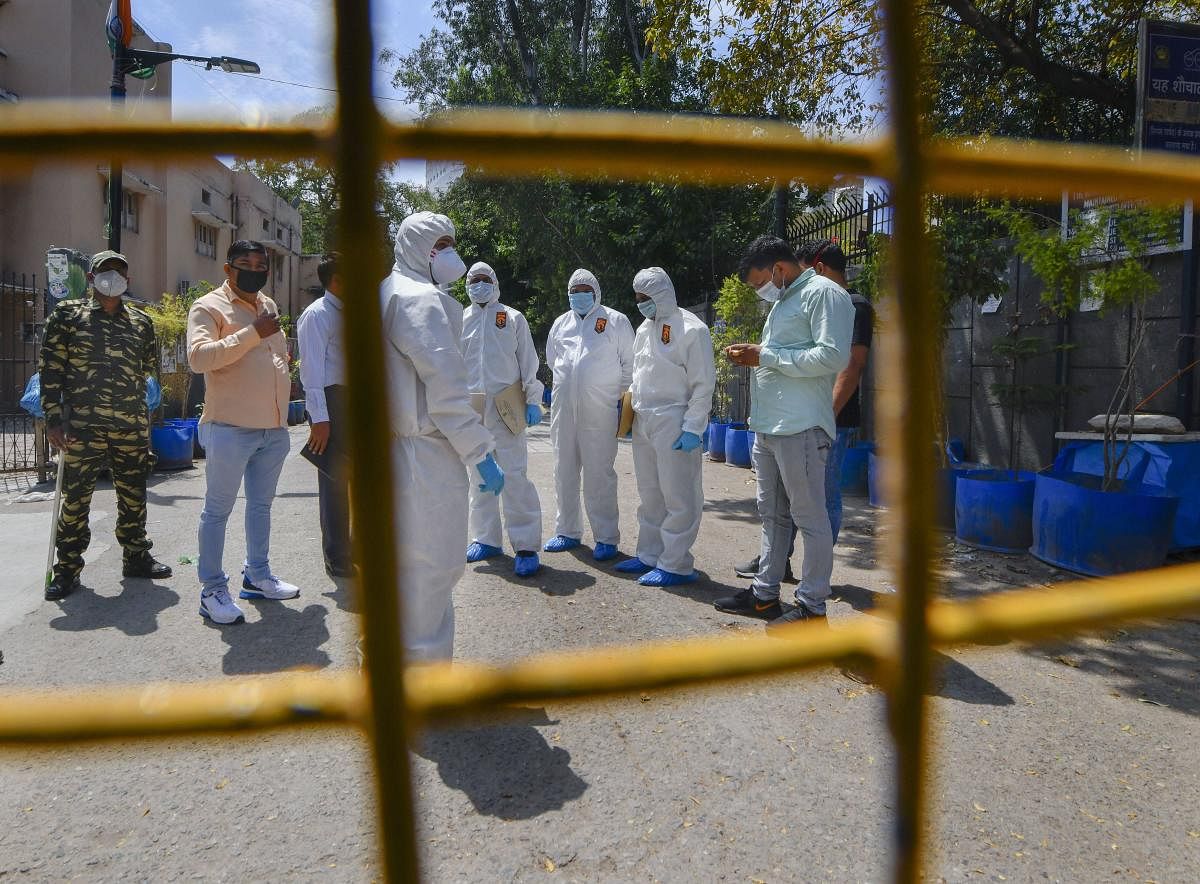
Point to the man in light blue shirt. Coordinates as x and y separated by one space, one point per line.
805 343
323 374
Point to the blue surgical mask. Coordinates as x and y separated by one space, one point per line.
480 292
581 302
647 308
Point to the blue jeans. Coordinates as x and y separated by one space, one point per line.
231 454
833 477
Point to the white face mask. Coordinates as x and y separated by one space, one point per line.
445 266
768 291
480 292
110 283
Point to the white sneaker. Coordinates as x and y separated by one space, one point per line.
269 588
217 606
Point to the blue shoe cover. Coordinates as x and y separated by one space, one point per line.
477 552
527 565
604 551
633 566
659 577
560 543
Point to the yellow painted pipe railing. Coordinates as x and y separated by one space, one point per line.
393 700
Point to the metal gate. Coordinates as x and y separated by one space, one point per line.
391 701
22 317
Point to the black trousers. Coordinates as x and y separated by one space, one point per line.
334 489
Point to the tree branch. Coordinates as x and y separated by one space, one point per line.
1067 81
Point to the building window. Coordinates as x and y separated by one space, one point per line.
206 240
129 213
266 227
205 197
279 268
130 204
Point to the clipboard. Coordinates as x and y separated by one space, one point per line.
625 424
510 405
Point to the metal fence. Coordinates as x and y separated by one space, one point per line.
848 221
391 701
22 317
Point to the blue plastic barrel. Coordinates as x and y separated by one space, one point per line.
738 443
172 443
716 440
295 412
993 509
1078 527
854 469
874 479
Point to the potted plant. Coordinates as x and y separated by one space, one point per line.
740 317
994 507
1112 522
173 439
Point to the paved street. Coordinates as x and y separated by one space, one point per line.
1077 762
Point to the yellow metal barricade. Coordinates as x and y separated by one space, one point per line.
390 702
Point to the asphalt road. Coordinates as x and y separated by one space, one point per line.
1077 762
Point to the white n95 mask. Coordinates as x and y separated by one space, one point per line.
445 266
111 283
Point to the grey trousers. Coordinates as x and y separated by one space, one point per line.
791 490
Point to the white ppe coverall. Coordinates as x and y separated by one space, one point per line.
591 357
436 436
499 351
673 381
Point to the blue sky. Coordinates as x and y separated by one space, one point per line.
292 41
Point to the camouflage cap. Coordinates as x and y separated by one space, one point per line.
107 255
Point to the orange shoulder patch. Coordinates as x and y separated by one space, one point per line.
666 334
501 319
601 324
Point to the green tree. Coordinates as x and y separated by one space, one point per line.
535 231
1053 69
1104 254
314 188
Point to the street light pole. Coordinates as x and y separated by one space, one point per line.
116 195
127 60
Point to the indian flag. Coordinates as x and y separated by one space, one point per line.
119 25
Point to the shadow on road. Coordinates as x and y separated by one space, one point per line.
1155 664
134 611
343 595
284 638
955 680
549 581
734 510
507 770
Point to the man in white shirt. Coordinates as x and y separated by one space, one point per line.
323 373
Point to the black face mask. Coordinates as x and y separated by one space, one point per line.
251 281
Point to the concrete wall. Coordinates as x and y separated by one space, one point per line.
993 432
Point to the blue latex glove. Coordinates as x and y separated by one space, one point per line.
686 442
493 476
533 415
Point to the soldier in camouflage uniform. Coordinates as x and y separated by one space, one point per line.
95 357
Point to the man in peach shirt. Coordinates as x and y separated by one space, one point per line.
233 337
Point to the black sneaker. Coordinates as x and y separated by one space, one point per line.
146 566
798 614
748 604
60 587
750 570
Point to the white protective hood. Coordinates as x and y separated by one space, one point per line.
481 267
414 243
586 277
653 281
